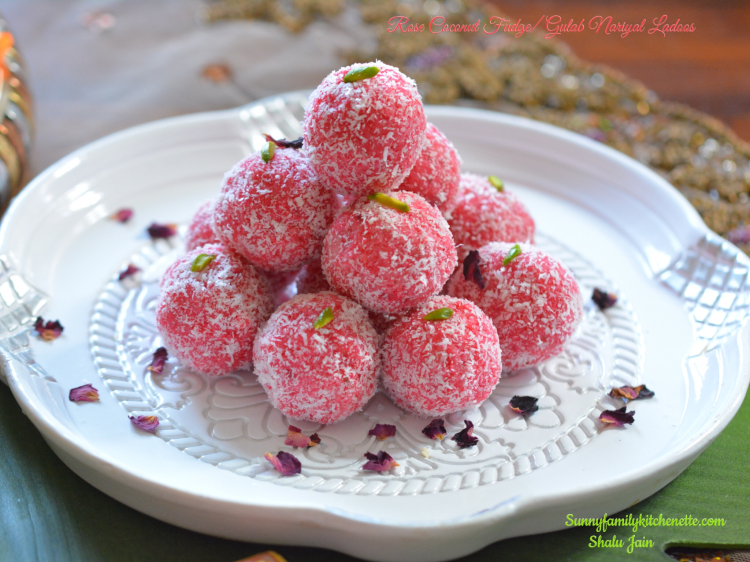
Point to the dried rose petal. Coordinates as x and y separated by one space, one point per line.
314 440
157 362
380 462
128 272
49 330
123 215
217 73
146 423
295 438
267 556
617 417
524 404
85 393
465 438
283 143
156 230
603 299
471 268
632 392
383 431
435 429
286 463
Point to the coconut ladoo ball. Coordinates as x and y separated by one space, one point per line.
440 358
389 251
200 231
273 210
317 357
211 305
487 212
364 128
533 299
437 173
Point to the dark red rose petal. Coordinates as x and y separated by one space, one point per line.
156 230
603 299
159 359
85 393
617 417
524 404
123 215
49 330
314 440
146 423
465 438
283 143
128 272
471 268
383 431
286 463
435 429
632 392
380 462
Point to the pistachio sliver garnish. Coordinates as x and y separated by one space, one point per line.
439 314
391 202
267 152
202 262
515 251
357 74
496 182
326 317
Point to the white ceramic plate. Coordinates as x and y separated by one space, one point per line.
678 327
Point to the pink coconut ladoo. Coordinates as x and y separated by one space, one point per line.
209 317
276 212
533 300
483 214
387 259
200 231
442 357
437 173
317 357
364 128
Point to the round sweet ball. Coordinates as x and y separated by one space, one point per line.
209 318
437 173
483 214
311 279
386 259
274 213
533 300
364 136
317 357
200 231
440 358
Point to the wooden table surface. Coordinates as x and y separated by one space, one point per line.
708 69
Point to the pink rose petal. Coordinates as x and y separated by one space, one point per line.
158 361
380 462
85 393
435 429
383 431
146 423
617 417
123 215
465 438
286 463
49 330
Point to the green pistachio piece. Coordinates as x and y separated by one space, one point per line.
515 251
391 202
326 317
357 74
497 183
439 314
267 152
201 262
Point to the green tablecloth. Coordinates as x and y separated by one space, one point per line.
49 514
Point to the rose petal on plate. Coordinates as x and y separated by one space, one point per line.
123 215
158 361
380 462
84 393
157 231
617 417
471 268
383 431
286 463
128 272
603 299
465 438
268 556
314 440
632 392
283 143
48 330
524 404
295 438
435 429
146 423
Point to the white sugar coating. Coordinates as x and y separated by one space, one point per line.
321 375
434 368
364 137
275 214
534 302
482 215
437 173
387 260
208 319
201 228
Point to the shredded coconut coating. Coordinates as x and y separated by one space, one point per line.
364 137
319 375
437 173
483 214
208 319
534 302
311 278
200 231
387 260
275 214
434 368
